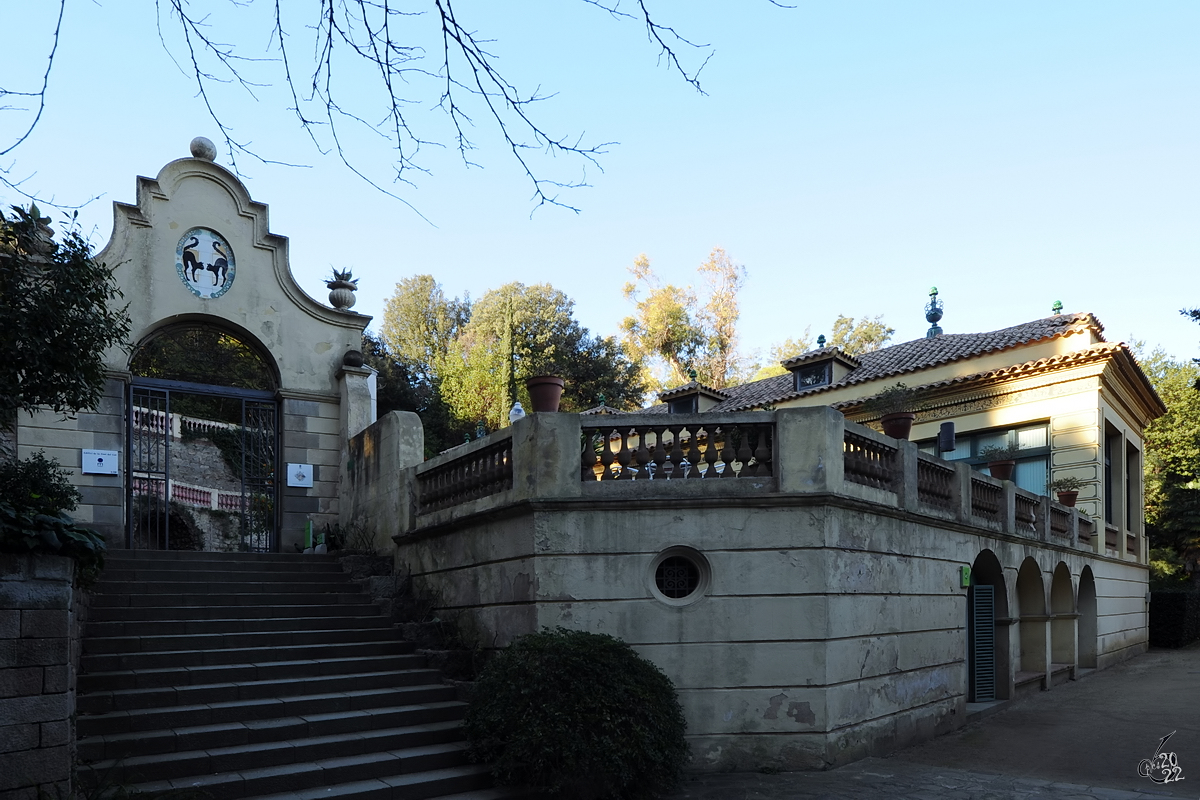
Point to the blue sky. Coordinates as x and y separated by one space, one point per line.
850 154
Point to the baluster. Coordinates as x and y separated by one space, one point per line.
624 456
659 459
675 455
762 453
744 453
727 451
606 456
692 453
587 458
642 455
710 454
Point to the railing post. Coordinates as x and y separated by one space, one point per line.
809 452
907 492
1010 507
1043 521
962 491
545 448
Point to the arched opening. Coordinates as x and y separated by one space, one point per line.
988 661
1062 619
1088 633
1031 609
202 455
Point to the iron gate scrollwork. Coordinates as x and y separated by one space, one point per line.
196 483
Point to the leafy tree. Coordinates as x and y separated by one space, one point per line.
673 330
397 390
518 331
60 312
420 323
1172 464
853 336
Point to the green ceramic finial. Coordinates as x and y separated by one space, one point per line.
1057 307
821 340
933 291
601 399
692 373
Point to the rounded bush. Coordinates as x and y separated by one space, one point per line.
580 715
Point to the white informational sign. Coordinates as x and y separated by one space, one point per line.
300 475
101 462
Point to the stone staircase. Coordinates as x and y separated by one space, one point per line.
260 675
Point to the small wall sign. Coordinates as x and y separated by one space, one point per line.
101 462
300 475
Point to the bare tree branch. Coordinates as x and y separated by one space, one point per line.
386 39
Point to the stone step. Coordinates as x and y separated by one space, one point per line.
312 782
355 606
182 738
96 630
219 588
211 641
240 673
380 753
233 569
158 600
125 747
109 662
104 701
118 556
149 719
122 577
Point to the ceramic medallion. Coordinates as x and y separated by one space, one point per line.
204 261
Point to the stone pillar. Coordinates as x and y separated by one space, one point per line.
545 448
358 406
809 449
377 476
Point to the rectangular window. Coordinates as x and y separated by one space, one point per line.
1033 452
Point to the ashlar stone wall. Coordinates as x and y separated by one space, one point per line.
37 681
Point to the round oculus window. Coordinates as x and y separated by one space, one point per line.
679 576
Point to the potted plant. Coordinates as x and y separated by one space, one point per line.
341 289
544 382
1067 489
897 406
1001 461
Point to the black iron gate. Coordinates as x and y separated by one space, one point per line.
205 480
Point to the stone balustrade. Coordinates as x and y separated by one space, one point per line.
638 457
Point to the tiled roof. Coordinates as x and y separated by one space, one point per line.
908 357
1077 357
693 386
600 409
820 354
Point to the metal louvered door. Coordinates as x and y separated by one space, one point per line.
981 635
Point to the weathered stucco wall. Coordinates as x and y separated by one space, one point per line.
833 624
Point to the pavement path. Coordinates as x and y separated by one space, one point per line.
1083 739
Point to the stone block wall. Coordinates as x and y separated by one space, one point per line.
37 686
312 434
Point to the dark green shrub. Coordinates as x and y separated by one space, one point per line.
579 715
22 531
37 484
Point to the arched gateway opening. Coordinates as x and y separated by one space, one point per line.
202 432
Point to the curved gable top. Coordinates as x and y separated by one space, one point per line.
196 245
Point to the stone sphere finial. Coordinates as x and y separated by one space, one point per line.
202 147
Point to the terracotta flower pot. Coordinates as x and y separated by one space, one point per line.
545 392
898 424
1002 470
1068 498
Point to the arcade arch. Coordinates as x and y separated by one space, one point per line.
1062 617
988 658
1088 633
1031 610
